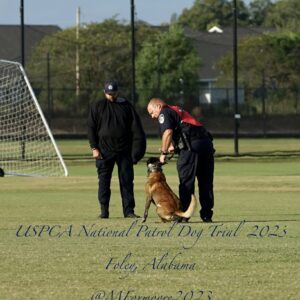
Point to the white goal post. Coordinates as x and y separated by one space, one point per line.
27 146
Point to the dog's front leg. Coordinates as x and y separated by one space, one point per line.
147 205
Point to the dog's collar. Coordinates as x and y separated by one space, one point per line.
154 168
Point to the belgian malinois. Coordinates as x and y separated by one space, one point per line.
158 191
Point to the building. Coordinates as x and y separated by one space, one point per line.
212 45
10 39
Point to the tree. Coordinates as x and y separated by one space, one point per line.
105 52
258 10
271 61
59 48
284 14
167 67
205 13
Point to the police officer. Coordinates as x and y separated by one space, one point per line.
182 133
116 136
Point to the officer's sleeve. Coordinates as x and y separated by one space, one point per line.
92 126
138 138
166 121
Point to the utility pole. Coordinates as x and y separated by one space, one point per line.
77 56
181 82
133 89
237 116
263 95
22 33
23 132
49 90
158 72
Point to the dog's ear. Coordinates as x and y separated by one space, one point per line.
152 160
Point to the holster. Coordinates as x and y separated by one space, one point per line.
183 143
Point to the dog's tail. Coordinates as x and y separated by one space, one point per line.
190 211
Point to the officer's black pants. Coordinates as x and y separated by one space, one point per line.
198 163
105 168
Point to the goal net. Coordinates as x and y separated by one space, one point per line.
27 147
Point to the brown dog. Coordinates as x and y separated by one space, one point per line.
159 192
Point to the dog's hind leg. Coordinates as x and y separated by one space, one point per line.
166 218
163 220
163 214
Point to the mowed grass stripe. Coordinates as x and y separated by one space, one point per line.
264 193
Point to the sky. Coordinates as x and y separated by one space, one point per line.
63 12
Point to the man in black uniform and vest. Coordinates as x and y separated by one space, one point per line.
116 136
182 133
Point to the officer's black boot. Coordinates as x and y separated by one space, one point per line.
104 212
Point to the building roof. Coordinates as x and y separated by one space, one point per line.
10 39
211 46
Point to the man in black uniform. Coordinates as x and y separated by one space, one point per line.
116 136
181 132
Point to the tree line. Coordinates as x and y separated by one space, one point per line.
167 62
280 14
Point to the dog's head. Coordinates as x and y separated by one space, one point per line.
154 165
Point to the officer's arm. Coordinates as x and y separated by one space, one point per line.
92 123
138 138
166 143
92 127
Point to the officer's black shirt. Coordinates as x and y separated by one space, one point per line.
169 119
113 126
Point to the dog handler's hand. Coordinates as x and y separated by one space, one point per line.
163 158
171 149
96 154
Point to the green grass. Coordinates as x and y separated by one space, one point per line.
254 147
262 190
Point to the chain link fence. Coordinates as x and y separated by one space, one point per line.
263 112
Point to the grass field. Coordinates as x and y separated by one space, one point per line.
50 248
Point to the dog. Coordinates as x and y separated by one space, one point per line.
159 192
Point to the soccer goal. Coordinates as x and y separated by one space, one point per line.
27 147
